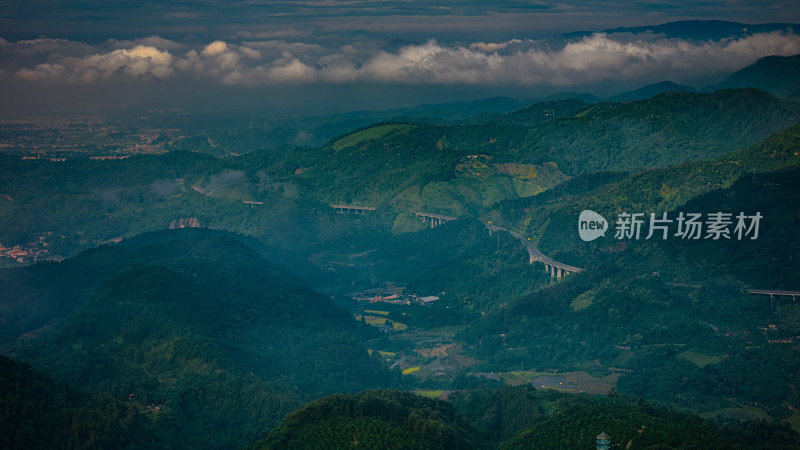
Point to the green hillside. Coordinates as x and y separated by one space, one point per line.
508 418
774 74
39 412
641 304
374 419
281 196
210 332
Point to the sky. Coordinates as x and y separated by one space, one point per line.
324 55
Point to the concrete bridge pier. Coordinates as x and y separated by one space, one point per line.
437 219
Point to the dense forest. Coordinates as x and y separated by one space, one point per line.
196 325
508 418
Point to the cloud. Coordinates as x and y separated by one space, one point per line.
492 47
227 177
135 62
215 48
594 58
165 187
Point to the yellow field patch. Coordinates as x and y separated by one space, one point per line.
435 351
372 311
411 370
374 320
397 326
430 394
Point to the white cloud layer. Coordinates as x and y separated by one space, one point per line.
594 58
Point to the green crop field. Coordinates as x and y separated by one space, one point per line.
700 358
430 394
523 376
366 135
744 413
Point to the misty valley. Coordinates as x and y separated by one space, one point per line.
434 278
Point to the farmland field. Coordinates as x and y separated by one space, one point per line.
366 135
574 381
431 394
700 358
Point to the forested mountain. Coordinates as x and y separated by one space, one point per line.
400 167
197 328
374 419
39 412
508 418
774 74
653 307
650 90
705 29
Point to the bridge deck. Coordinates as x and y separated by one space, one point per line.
436 216
773 292
356 208
534 252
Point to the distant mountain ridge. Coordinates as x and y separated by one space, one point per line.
651 90
777 75
700 29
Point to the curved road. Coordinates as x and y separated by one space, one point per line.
534 252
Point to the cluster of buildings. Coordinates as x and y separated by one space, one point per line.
776 340
372 296
29 253
55 137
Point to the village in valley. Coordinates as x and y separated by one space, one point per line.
56 139
28 253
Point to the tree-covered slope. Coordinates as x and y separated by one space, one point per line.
671 315
282 196
458 166
204 328
374 420
774 74
661 131
509 417
40 412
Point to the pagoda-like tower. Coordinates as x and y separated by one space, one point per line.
603 441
